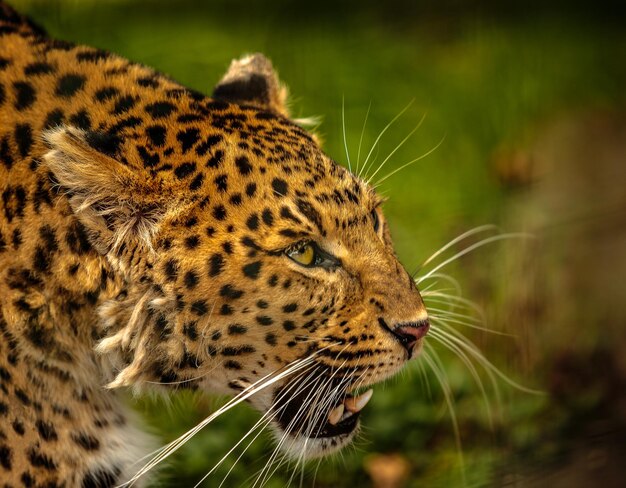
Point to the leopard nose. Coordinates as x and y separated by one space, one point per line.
408 333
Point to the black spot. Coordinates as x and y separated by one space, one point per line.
252 270
199 307
310 213
104 94
81 120
124 104
221 183
46 430
6 457
39 460
171 270
128 122
265 116
16 238
5 152
149 159
270 338
289 325
201 149
216 160
291 307
104 142
230 364
228 291
262 304
251 189
42 260
196 182
54 119
216 264
267 216
92 56
227 247
191 279
219 212
27 480
24 95
148 81
188 138
243 165
160 109
192 242
4 374
253 222
156 134
101 478
273 281
288 233
249 242
286 213
86 441
237 329
184 170
264 320
235 199
18 427
68 85
190 330
38 69
280 186
24 138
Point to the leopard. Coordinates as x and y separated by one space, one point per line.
154 238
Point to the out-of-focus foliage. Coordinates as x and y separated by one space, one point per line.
529 103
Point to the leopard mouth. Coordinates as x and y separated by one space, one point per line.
305 415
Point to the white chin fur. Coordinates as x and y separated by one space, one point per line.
303 448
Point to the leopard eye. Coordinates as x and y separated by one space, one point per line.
310 255
303 254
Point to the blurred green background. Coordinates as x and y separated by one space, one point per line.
529 99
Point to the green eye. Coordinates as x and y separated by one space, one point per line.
303 254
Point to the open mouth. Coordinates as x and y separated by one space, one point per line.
309 415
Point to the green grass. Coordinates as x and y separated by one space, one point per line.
485 84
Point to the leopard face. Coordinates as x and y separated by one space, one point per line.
255 263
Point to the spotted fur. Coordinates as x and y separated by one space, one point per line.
143 238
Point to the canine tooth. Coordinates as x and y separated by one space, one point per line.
356 404
335 414
347 414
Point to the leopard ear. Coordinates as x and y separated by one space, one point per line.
113 203
252 80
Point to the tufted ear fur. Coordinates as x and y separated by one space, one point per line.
252 80
113 203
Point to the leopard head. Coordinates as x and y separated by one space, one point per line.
249 262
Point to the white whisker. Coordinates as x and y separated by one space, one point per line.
390 155
488 240
358 154
343 124
377 140
413 161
